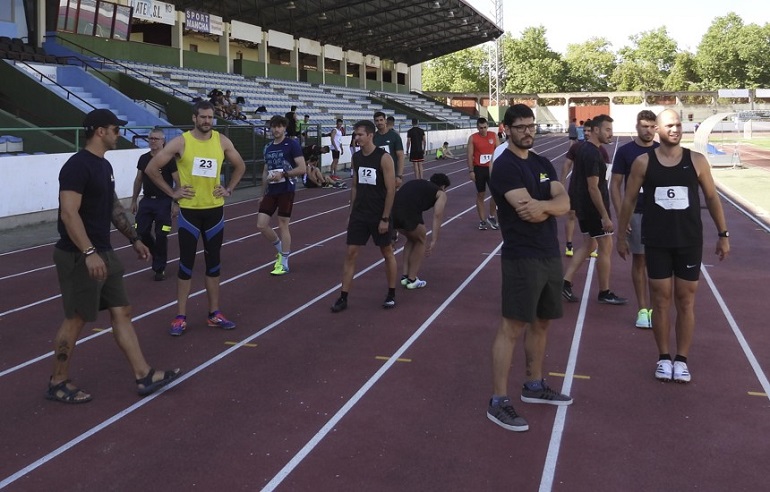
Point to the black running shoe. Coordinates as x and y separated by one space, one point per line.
506 417
566 293
389 303
544 395
340 305
610 298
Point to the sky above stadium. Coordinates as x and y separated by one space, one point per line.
568 22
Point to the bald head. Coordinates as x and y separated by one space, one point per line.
669 127
667 116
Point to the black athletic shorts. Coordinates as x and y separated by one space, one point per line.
406 219
682 263
417 156
335 154
359 232
481 174
532 288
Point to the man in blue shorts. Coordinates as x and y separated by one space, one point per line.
284 163
529 197
90 273
642 143
371 199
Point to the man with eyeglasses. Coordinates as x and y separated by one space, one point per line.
529 198
480 150
90 273
155 207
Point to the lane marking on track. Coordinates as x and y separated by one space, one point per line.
757 393
563 375
190 373
250 345
382 357
331 423
758 371
549 467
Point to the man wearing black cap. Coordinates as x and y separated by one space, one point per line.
90 273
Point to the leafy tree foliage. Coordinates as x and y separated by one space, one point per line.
530 64
462 71
588 64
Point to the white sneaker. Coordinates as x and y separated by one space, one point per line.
417 284
665 370
681 373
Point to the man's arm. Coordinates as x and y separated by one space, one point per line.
399 167
633 185
566 169
332 134
424 142
386 164
408 144
531 210
598 202
170 151
174 203
124 225
300 167
137 189
239 167
438 218
469 155
706 181
69 204
616 182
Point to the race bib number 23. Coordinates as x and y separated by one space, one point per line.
205 167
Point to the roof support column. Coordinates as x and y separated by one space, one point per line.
224 46
294 59
177 36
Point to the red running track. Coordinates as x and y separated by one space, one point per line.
298 398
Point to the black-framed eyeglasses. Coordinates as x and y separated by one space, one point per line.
154 139
523 128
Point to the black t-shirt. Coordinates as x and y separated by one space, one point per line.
522 239
416 195
90 176
370 186
415 136
291 128
149 188
589 163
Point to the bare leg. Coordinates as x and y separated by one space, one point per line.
125 337
577 260
502 353
604 262
283 233
63 345
639 279
534 348
661 290
416 253
349 267
480 205
684 301
391 267
569 226
182 293
263 225
212 292
492 207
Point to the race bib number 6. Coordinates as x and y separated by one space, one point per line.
367 175
205 167
672 198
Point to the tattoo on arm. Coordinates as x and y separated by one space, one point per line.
121 220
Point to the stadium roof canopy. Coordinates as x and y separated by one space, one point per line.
407 31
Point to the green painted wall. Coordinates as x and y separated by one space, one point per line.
249 68
313 77
334 79
283 72
205 61
354 82
121 50
389 87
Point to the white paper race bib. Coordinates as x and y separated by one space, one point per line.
485 159
205 167
367 176
672 198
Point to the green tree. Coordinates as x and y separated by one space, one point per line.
646 64
530 65
462 71
589 65
683 75
719 63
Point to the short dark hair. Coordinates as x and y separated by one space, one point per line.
278 120
339 120
446 143
587 123
597 121
367 125
391 118
646 115
440 179
517 112
307 116
415 121
202 105
378 114
293 108
481 121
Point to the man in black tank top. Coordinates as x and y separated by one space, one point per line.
371 199
672 234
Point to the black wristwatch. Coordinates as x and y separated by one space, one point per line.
723 234
385 219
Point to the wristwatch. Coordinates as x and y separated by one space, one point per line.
89 251
132 240
723 234
385 219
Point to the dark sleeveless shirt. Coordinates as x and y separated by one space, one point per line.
370 186
671 216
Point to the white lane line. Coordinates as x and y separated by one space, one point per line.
552 457
758 371
188 374
331 423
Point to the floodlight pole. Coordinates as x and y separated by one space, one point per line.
495 54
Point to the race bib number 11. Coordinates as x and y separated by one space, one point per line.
205 168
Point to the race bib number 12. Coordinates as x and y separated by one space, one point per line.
205 168
367 175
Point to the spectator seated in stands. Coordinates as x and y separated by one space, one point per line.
217 99
313 177
261 109
232 108
443 152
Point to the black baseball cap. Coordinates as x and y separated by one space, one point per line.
101 118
